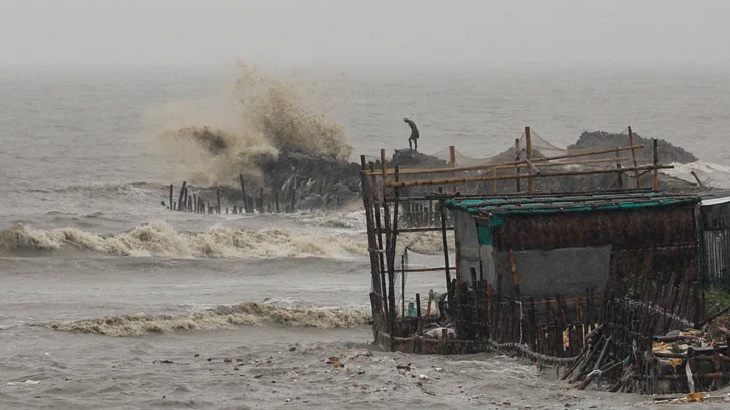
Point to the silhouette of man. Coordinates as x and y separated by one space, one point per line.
413 139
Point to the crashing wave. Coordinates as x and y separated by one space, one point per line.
161 240
220 317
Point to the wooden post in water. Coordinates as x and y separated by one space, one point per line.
171 207
293 199
218 196
243 193
419 322
452 156
180 198
261 200
528 155
633 157
185 200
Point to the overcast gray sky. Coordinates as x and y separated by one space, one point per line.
328 32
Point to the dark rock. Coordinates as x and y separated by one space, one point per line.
668 153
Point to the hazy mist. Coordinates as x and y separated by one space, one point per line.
375 32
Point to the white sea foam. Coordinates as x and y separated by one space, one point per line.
220 317
714 175
160 239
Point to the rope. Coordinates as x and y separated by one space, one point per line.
524 350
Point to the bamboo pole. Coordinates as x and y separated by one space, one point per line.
457 291
391 272
419 323
180 198
517 168
170 206
403 286
444 242
656 169
367 199
396 208
383 170
528 154
433 269
619 175
378 226
633 156
427 229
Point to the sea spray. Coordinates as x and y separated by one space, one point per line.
273 114
710 175
220 317
285 114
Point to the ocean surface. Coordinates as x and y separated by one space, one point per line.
109 300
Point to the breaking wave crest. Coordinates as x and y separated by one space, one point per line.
220 317
713 175
161 240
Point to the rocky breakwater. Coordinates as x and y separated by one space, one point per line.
320 181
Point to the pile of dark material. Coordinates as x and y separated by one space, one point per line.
599 140
320 181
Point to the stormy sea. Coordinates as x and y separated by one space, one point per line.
108 299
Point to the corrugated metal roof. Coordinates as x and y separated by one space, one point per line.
714 201
543 203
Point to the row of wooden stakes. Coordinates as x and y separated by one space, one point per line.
192 202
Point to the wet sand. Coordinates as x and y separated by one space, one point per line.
270 367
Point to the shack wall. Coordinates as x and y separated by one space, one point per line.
660 241
541 273
544 274
470 251
715 226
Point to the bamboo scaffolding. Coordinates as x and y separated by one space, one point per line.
595 335
415 171
445 181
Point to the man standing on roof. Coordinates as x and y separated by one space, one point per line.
414 133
